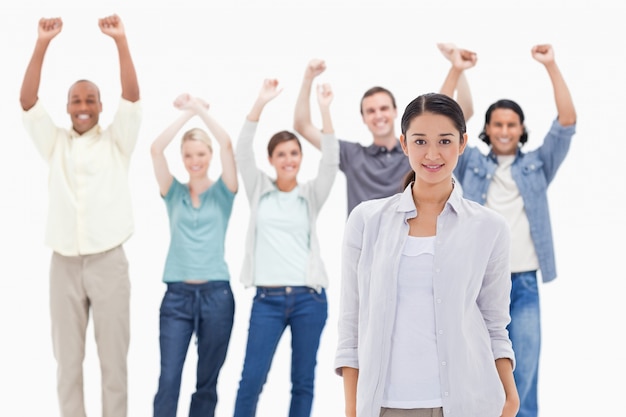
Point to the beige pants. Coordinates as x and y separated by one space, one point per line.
415 412
99 283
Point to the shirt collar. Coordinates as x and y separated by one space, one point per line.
407 205
374 149
91 132
494 157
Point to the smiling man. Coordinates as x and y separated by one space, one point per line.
515 183
89 218
373 171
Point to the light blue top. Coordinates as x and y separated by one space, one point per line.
315 192
282 239
532 172
471 294
197 234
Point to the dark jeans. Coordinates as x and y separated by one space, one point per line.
204 309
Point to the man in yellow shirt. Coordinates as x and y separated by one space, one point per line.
89 218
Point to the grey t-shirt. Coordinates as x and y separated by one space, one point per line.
371 171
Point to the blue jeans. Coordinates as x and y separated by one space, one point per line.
525 334
204 309
273 309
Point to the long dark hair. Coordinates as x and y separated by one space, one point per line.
432 103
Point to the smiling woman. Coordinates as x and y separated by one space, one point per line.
198 299
450 309
515 183
282 257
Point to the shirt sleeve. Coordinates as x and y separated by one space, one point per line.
244 156
555 147
348 327
125 126
491 302
327 169
41 129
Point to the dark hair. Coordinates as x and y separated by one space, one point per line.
69 91
280 137
504 104
376 90
434 103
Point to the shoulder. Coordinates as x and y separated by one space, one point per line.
348 146
374 208
127 106
220 187
484 217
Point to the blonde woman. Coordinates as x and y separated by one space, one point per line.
198 298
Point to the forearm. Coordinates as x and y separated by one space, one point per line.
302 113
464 97
562 96
350 378
451 82
505 371
32 77
220 134
327 122
255 112
166 137
128 75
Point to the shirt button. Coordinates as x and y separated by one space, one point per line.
443 363
438 300
446 394
440 332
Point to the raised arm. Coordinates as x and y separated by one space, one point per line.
157 151
302 116
268 92
227 154
562 97
113 27
461 59
324 98
48 29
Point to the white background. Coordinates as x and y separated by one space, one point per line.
221 51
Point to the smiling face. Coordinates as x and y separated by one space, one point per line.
433 144
84 106
379 114
196 158
286 158
504 131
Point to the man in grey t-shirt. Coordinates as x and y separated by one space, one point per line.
373 171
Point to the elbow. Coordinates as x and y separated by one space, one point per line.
298 126
468 113
27 103
156 150
567 120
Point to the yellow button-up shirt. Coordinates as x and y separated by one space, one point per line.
89 204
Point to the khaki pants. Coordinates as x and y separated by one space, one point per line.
416 412
99 283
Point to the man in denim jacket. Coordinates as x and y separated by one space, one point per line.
515 184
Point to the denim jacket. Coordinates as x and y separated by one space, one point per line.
532 172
